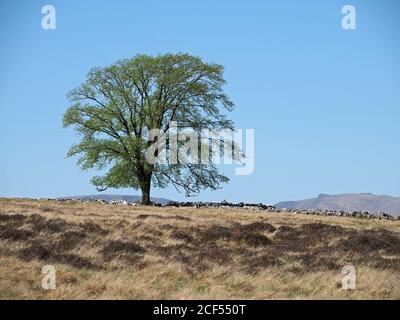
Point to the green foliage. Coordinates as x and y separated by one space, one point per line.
117 106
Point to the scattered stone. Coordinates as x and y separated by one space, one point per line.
248 206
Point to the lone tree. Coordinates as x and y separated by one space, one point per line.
117 106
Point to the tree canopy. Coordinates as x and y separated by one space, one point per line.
117 106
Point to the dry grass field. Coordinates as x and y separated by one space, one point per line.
119 252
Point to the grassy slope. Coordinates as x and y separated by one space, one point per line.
116 252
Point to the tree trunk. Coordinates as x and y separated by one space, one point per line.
146 185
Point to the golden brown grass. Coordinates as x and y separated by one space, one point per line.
117 252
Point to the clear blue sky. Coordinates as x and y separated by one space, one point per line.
324 102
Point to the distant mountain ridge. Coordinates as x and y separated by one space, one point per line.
348 202
110 197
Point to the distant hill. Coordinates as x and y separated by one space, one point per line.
109 197
348 202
